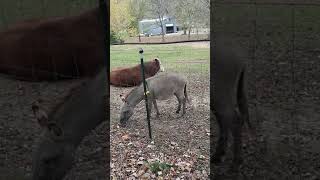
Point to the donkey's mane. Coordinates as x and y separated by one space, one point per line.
132 91
73 92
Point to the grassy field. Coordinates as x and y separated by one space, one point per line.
186 57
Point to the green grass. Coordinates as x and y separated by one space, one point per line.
174 57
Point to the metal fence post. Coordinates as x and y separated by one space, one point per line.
146 91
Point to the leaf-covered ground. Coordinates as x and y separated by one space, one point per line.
180 145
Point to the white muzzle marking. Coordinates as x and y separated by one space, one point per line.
161 67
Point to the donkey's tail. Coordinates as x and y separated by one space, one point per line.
243 100
186 94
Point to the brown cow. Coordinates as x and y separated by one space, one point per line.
128 77
54 48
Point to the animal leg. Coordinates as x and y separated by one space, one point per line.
184 106
223 139
149 105
182 99
156 106
237 140
179 105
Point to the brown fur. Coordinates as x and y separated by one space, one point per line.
127 77
54 48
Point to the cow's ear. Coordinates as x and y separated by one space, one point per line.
122 98
40 114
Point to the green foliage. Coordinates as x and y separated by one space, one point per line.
157 166
137 10
121 22
114 38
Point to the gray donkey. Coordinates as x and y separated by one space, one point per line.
66 126
161 87
230 103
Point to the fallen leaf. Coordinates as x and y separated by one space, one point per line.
125 137
202 157
173 143
145 176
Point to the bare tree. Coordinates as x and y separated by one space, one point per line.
137 9
192 13
160 8
185 11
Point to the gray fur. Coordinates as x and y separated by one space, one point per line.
229 96
65 128
162 86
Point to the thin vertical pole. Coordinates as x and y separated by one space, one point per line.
146 92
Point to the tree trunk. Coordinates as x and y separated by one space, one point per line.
162 30
162 34
189 32
197 30
139 38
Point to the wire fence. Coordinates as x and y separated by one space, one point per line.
19 130
282 40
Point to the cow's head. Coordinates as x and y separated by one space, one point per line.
160 65
126 111
54 154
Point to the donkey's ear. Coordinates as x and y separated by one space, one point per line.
122 98
55 130
40 114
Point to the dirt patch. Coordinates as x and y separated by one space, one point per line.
19 130
181 142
